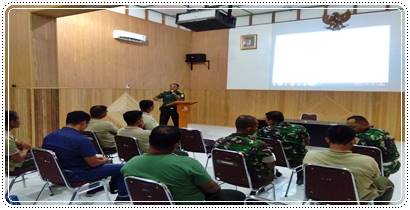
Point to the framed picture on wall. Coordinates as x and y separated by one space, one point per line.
249 42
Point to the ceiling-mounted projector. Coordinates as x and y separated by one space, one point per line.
204 20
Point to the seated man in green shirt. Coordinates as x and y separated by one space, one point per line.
292 136
370 185
134 129
185 177
369 136
103 129
18 158
146 107
259 159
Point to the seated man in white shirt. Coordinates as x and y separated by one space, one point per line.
134 129
146 107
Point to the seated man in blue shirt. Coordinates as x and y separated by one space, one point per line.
77 155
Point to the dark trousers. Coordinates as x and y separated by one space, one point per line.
234 196
167 112
28 165
295 164
101 172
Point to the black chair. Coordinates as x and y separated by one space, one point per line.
330 185
281 160
230 167
50 171
127 147
93 138
192 141
147 192
20 172
309 116
373 152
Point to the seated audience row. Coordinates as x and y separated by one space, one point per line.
138 124
80 162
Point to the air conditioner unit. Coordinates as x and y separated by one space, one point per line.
128 36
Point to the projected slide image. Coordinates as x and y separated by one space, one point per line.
353 56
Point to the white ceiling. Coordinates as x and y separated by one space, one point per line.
237 10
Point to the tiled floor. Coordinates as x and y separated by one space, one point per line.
296 193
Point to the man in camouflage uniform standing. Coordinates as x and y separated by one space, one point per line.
259 159
293 138
168 110
368 136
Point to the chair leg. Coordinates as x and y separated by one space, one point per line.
290 182
24 180
41 191
106 191
274 192
73 197
12 183
207 160
51 190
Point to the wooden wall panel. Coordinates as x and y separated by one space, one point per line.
19 48
44 51
88 53
214 45
46 118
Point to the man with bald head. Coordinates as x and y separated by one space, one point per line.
259 159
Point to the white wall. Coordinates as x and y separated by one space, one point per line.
252 69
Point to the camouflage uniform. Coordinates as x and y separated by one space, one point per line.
382 139
293 139
256 152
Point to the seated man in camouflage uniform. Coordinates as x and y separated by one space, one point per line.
369 136
293 139
259 158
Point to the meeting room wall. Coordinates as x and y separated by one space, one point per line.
92 68
103 67
220 106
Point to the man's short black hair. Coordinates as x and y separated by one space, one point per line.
131 117
175 84
164 137
10 116
245 121
146 104
359 119
77 117
98 111
275 116
340 134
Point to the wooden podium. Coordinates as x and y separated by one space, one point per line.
183 108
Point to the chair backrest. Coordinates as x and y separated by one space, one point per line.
192 141
373 152
276 148
230 167
142 190
94 139
127 147
308 116
325 183
48 167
